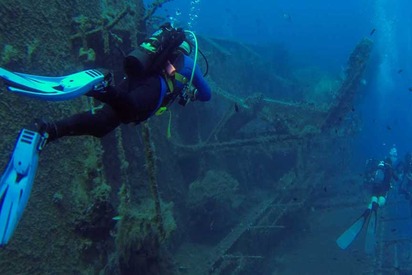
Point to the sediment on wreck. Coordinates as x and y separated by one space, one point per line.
94 209
355 70
67 223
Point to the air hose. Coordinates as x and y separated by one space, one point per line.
195 59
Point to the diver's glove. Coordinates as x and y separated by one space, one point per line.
187 95
192 94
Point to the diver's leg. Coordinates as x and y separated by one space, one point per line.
98 125
381 201
374 204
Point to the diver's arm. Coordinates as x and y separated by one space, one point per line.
204 92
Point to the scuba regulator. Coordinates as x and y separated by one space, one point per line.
188 94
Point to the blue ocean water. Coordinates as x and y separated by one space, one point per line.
235 190
323 33
386 109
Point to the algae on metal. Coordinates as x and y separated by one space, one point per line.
275 137
138 238
35 38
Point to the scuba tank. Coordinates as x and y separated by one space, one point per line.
379 176
153 53
370 171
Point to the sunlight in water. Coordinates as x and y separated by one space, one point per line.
387 51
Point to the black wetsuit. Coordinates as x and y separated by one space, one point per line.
134 100
382 188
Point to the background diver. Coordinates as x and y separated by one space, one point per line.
158 72
378 179
405 170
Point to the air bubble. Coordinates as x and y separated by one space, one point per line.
193 13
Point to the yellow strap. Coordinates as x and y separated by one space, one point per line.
169 82
170 85
169 127
181 78
161 110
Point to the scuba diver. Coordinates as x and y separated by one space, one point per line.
379 182
405 187
157 73
138 97
393 155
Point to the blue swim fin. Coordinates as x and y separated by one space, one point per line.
52 88
17 181
353 231
370 240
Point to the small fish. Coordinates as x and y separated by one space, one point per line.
389 128
353 109
325 189
117 218
295 199
372 31
410 89
400 71
287 17
236 108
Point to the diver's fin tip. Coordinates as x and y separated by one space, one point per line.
20 169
